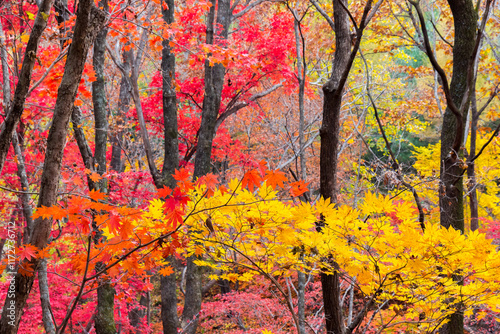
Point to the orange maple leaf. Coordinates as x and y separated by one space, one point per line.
44 253
198 251
114 223
55 212
166 271
42 211
298 188
262 167
126 229
26 269
211 181
175 218
275 178
181 174
164 192
96 195
251 179
95 177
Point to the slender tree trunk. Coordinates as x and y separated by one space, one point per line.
329 133
214 82
451 188
168 286
301 75
123 107
21 93
25 198
171 146
471 167
105 318
43 284
99 101
88 23
451 192
61 7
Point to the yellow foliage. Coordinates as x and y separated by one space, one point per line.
381 247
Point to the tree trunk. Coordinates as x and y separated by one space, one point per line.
329 133
88 22
451 192
471 170
214 82
99 101
14 115
123 107
451 188
105 318
168 284
43 284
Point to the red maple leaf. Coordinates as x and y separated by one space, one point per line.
114 223
251 179
27 252
164 192
175 218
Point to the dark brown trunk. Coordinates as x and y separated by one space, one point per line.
329 132
137 314
471 166
62 16
214 82
451 187
168 284
89 21
104 320
99 101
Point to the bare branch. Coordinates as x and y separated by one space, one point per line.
324 14
395 164
446 87
247 9
63 54
242 105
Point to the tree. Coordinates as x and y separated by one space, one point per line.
329 132
89 21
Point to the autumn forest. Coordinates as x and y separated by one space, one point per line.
249 166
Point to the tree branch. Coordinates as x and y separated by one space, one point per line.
234 109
